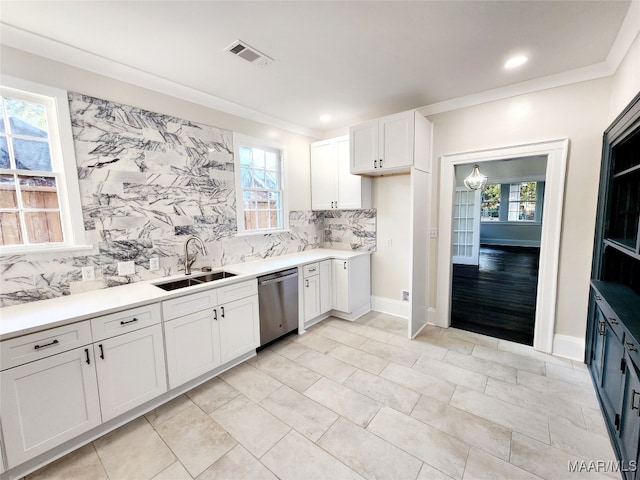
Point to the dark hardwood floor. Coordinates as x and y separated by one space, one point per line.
497 298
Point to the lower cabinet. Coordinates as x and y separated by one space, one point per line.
630 417
131 370
351 286
613 365
47 402
316 289
201 335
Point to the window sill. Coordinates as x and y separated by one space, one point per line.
21 250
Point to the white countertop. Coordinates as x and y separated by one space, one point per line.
44 314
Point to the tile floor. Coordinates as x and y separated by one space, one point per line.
359 400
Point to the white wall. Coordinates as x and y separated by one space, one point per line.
626 81
578 112
41 70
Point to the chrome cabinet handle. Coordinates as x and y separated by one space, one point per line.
38 347
601 328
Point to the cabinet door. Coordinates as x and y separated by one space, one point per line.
239 328
612 374
364 147
340 286
324 181
311 297
131 370
597 351
48 402
396 140
630 415
325 286
349 186
193 346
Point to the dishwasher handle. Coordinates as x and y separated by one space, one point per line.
277 279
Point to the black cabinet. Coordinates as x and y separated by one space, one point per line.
613 327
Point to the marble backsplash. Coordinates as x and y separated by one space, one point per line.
147 181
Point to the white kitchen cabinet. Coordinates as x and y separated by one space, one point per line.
317 289
48 402
131 370
201 333
351 287
325 286
332 184
239 325
193 346
391 144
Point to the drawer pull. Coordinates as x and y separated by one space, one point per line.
128 321
312 269
598 297
613 320
633 401
631 347
101 351
38 347
86 352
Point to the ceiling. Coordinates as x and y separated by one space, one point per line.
351 60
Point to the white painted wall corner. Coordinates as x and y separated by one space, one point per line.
568 347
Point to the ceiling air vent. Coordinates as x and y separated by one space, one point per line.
250 54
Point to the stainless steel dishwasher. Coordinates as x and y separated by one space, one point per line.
278 300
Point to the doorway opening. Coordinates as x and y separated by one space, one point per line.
496 249
555 152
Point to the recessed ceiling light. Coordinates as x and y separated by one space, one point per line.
325 118
514 62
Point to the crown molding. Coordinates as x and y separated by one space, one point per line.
61 52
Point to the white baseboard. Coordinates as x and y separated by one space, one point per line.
568 347
390 306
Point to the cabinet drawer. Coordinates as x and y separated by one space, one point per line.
21 350
125 321
195 302
237 291
310 270
633 349
612 318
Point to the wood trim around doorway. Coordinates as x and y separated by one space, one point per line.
556 152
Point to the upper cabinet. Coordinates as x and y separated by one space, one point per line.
391 144
332 185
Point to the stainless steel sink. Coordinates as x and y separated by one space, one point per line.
194 280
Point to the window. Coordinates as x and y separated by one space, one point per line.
522 202
259 177
35 212
512 202
490 210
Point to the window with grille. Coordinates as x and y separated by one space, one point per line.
35 211
260 185
522 202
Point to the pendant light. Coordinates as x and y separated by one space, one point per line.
475 180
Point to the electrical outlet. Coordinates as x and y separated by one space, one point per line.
433 233
389 242
88 273
405 295
154 264
126 268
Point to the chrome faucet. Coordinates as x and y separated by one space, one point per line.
188 262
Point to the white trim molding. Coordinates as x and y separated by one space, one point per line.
390 306
556 152
568 347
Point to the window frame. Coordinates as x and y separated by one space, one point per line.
240 140
504 200
519 202
63 165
